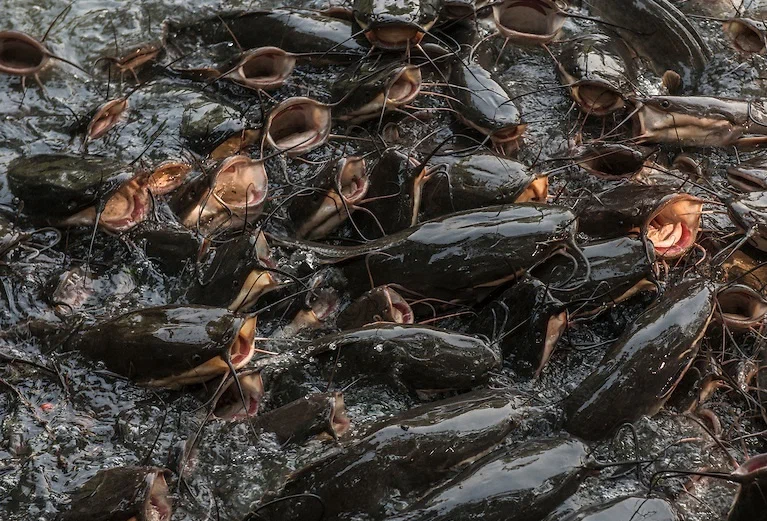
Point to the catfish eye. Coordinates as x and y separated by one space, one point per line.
196 358
665 103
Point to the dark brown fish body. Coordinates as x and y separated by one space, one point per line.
523 483
122 494
669 219
598 71
235 274
485 105
477 181
455 257
330 197
620 268
170 346
167 244
398 24
403 456
405 358
675 43
381 304
640 370
529 322
310 416
292 30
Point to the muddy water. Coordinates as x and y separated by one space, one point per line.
62 419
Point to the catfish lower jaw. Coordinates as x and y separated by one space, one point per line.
339 421
20 54
125 209
257 283
167 177
107 117
528 21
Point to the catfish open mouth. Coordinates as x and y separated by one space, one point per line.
508 140
298 125
536 192
240 190
107 117
229 404
257 283
746 35
265 68
393 36
158 506
405 86
597 98
741 307
352 183
168 176
127 207
339 421
612 163
20 54
529 21
674 228
398 311
554 329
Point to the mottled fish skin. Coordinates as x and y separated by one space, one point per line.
638 373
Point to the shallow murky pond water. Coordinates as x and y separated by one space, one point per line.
63 418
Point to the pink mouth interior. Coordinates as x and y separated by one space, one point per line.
680 245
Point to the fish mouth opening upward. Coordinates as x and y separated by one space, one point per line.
352 183
393 36
168 176
339 421
158 506
229 405
240 191
298 125
405 86
243 346
529 21
554 329
741 307
745 35
742 179
106 118
612 164
508 140
20 54
674 228
265 68
127 207
398 310
536 192
597 98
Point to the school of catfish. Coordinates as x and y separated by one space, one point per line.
399 275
